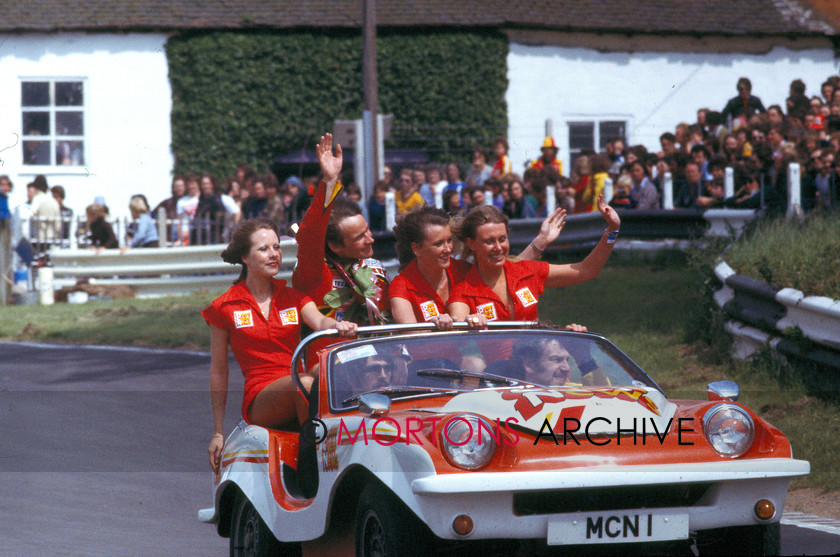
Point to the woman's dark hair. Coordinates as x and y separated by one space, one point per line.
342 209
412 229
240 242
466 228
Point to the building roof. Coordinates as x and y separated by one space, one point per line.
701 17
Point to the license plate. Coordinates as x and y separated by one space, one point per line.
617 527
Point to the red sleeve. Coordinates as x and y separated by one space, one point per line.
213 315
311 272
541 269
398 288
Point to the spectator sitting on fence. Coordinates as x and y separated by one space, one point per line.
744 105
66 212
145 234
502 167
100 233
46 210
621 193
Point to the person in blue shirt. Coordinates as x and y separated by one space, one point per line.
5 187
146 234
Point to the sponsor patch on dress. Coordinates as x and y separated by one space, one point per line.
289 316
526 297
487 310
243 319
339 283
429 310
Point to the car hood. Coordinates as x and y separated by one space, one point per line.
599 411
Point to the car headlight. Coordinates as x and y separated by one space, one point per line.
729 429
467 441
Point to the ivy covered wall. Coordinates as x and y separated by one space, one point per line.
244 97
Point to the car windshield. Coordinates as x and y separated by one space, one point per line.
437 364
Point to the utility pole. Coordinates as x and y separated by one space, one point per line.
369 114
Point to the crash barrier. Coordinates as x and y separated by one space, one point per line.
154 272
782 319
186 269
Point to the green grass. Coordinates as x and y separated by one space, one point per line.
805 257
655 311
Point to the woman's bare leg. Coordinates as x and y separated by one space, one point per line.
279 403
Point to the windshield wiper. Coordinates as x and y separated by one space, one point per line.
461 373
402 390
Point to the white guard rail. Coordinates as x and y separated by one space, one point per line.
153 272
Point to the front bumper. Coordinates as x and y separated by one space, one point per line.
730 491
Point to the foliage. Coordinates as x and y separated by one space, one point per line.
245 97
784 253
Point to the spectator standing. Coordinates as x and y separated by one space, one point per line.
797 102
502 167
274 209
187 206
257 201
5 188
644 193
407 198
208 221
691 189
549 157
452 203
621 193
66 212
742 106
376 205
453 178
480 171
517 206
170 204
701 157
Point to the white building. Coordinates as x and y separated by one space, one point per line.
86 99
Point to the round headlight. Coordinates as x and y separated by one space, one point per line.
729 429
468 442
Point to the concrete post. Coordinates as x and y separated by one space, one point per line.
794 205
608 189
439 196
729 182
390 210
488 197
550 200
668 191
5 260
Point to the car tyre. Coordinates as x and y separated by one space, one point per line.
761 539
250 537
385 527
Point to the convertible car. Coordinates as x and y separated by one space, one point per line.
516 440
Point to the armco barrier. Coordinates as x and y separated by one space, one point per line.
762 313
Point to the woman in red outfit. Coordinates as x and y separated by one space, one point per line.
260 318
502 290
428 272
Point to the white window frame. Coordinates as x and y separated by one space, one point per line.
53 138
596 134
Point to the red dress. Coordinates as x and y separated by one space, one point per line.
411 286
525 282
262 347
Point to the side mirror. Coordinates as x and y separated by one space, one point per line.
374 405
723 390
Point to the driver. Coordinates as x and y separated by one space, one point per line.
371 373
546 361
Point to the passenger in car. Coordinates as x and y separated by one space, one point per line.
260 318
500 289
547 361
428 273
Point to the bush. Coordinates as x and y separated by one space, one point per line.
244 97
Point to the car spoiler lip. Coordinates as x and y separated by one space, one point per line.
612 476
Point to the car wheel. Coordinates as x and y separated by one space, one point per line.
761 539
250 537
385 527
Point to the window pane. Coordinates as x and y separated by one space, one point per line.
581 135
36 152
68 123
36 123
68 93
35 93
610 130
69 153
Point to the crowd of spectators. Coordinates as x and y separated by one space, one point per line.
758 143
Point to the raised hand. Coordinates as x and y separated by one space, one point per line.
330 164
610 215
551 227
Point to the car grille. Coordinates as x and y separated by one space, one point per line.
607 499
